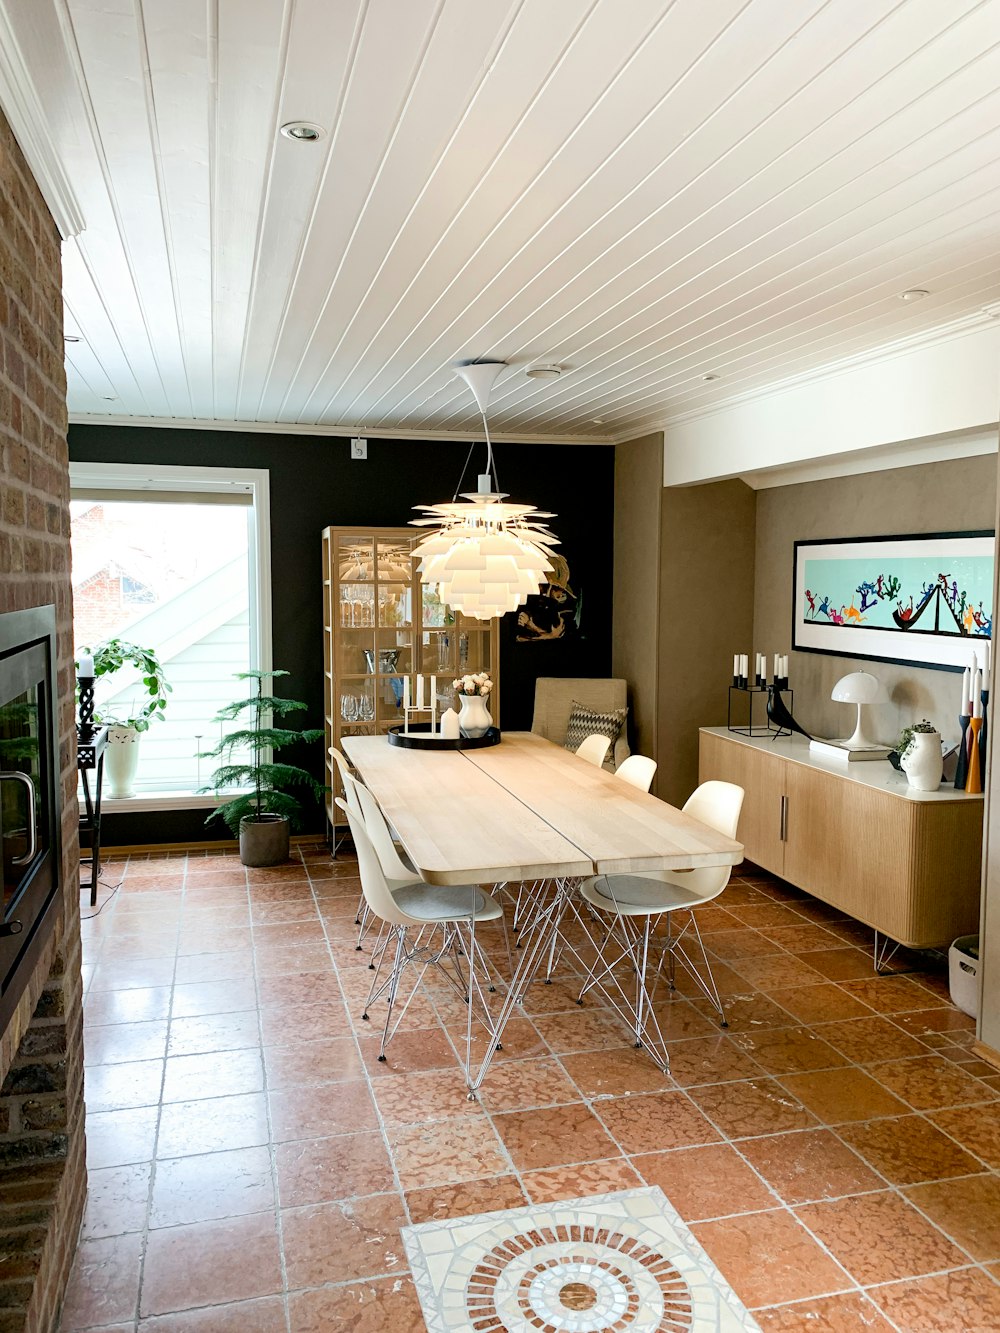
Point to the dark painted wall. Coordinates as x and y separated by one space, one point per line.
315 483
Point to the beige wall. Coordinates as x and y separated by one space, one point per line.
935 497
638 490
706 615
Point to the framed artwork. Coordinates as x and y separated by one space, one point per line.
924 600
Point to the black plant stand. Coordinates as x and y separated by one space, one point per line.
90 759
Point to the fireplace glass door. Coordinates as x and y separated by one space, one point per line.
27 794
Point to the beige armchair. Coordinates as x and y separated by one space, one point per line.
554 696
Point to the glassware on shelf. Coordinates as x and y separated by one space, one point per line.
387 660
394 606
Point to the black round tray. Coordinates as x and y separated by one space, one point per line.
420 738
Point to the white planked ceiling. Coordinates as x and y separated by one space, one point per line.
645 193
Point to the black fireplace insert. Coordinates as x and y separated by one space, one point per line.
29 796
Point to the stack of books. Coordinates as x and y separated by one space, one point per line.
840 750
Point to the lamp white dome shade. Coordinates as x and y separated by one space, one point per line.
859 687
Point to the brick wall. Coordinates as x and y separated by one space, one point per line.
42 1172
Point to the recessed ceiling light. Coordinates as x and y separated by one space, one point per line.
544 372
711 376
597 421
303 131
914 294
71 338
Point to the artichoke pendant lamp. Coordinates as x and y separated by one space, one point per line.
485 557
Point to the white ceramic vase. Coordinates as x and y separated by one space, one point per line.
922 762
474 717
121 759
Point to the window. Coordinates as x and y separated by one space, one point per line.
172 559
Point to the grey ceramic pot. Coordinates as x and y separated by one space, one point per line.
264 842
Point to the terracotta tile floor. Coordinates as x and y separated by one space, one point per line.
836 1150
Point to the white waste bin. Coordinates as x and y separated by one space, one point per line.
963 974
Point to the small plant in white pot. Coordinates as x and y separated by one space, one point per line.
262 817
126 728
920 756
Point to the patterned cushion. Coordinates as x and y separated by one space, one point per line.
583 723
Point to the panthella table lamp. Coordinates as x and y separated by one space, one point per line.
857 688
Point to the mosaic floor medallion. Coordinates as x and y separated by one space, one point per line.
623 1262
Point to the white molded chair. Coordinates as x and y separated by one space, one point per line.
629 899
594 749
396 871
349 784
408 910
637 770
344 770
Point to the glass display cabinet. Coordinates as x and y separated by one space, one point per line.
379 625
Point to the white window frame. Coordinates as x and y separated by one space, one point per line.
255 482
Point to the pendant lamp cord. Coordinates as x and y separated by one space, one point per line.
461 477
491 467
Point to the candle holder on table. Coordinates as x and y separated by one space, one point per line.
974 777
962 766
85 726
985 697
754 726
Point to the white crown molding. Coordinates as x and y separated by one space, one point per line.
913 453
25 112
336 432
942 333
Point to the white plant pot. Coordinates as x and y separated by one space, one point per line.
923 764
121 759
474 717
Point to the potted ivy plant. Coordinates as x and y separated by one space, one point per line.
262 817
920 758
125 729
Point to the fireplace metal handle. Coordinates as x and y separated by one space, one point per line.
32 836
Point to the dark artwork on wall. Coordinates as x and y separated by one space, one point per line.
554 611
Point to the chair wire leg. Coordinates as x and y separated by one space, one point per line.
709 988
378 958
640 983
393 986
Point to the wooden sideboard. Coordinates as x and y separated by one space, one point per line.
907 863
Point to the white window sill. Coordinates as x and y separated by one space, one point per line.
161 800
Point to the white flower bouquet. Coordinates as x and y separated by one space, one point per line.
479 683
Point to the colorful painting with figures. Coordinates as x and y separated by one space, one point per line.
925 600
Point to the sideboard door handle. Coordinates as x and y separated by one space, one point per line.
784 819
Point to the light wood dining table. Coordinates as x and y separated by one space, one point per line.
526 809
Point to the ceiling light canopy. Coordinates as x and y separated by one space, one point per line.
485 557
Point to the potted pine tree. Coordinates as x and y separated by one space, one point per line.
262 817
